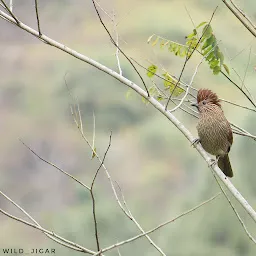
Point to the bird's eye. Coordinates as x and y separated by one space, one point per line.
204 102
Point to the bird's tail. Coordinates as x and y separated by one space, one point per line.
225 166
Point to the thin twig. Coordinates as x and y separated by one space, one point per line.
237 105
186 133
72 245
252 30
10 12
189 55
164 79
55 166
117 43
102 162
234 209
94 133
114 43
243 14
191 81
37 18
156 228
95 221
127 213
246 69
92 195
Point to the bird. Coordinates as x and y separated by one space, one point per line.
214 131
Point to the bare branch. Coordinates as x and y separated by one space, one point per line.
246 69
92 195
127 213
55 166
10 12
151 100
234 209
102 162
189 55
37 18
93 136
237 105
243 14
52 235
114 43
191 81
156 228
252 30
117 43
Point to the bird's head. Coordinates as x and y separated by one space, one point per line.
206 100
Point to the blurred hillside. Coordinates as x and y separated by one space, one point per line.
160 174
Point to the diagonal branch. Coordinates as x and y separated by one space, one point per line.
251 30
189 55
10 12
116 45
234 209
50 234
156 228
151 100
78 121
55 166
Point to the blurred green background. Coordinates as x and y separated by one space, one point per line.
161 175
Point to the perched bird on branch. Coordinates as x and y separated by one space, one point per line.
214 131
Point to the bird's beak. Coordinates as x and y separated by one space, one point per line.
194 104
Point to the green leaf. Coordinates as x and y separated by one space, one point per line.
201 24
214 63
216 70
155 42
221 57
194 32
210 57
151 70
168 80
208 42
226 68
183 51
173 47
216 52
177 50
170 84
207 31
207 50
177 91
160 97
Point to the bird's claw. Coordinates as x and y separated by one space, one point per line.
195 141
212 162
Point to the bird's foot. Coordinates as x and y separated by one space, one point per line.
213 162
195 141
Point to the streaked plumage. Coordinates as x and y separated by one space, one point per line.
214 130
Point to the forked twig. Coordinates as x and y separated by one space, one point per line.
116 45
156 228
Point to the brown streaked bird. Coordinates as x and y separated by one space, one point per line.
214 131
